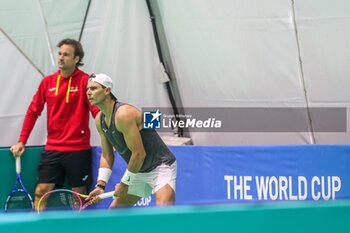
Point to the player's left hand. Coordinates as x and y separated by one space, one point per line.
93 195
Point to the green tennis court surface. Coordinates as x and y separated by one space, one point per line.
282 218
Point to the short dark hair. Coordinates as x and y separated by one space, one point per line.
78 49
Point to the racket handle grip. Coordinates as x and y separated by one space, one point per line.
18 165
106 195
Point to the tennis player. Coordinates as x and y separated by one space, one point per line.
151 165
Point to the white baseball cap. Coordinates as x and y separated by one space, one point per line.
104 80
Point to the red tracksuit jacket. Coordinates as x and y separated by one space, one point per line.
67 112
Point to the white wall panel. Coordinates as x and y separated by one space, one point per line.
119 42
19 81
236 54
226 53
324 32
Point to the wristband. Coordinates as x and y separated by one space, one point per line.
104 174
100 186
128 177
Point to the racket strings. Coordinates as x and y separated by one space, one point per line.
64 199
61 201
19 201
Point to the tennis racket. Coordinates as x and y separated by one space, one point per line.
19 200
65 199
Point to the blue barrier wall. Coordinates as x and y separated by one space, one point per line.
229 175
249 174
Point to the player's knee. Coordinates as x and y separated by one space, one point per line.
164 200
113 204
41 189
165 196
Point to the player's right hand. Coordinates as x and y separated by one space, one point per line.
18 149
93 195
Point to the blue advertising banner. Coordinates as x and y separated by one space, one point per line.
236 174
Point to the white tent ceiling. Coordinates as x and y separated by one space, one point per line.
223 53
